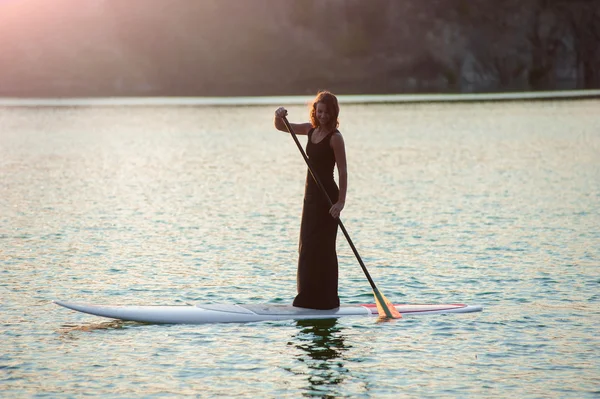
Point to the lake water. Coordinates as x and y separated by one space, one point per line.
495 204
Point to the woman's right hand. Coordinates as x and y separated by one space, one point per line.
280 112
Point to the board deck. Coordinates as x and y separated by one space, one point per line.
221 313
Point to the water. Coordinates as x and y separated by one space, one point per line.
484 203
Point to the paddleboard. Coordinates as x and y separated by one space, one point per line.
200 314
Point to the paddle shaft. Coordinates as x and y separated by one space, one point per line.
339 221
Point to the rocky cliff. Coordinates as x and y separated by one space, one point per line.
278 47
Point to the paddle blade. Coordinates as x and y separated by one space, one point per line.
384 306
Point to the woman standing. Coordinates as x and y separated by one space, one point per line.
317 262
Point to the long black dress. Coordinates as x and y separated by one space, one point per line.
317 261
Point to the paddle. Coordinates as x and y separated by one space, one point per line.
384 306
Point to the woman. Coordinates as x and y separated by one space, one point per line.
317 262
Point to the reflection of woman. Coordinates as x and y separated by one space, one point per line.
317 262
321 343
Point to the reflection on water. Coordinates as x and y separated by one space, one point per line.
66 331
321 348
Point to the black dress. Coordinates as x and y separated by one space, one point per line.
317 261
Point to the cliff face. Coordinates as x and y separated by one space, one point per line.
277 47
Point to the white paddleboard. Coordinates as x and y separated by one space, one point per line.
200 314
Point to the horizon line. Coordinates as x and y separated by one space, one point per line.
294 99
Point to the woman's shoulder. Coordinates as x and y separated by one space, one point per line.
302 128
336 135
336 139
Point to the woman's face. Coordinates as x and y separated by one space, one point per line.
322 114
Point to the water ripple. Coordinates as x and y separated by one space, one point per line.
493 204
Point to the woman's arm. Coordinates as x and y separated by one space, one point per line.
299 128
339 151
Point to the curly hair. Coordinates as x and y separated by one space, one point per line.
333 109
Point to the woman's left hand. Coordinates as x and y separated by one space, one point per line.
336 209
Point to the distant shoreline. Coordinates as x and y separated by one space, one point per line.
295 100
